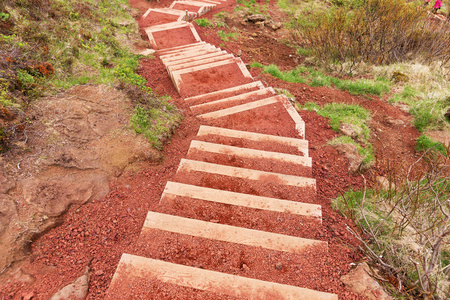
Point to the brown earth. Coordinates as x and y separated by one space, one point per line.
105 227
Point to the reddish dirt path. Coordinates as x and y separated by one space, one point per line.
108 227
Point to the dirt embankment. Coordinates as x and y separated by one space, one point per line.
78 141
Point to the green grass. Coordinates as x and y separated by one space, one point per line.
315 78
204 23
426 108
252 6
339 113
227 36
425 143
366 152
354 115
71 43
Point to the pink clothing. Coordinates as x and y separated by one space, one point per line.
438 4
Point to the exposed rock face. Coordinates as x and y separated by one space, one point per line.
79 141
351 153
359 281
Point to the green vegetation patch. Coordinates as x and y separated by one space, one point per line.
315 78
354 115
204 23
50 45
227 36
424 143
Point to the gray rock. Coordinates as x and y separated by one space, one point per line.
359 281
257 18
75 290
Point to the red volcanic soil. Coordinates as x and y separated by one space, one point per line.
100 231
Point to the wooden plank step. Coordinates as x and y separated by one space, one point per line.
200 166
239 199
189 54
250 153
209 105
175 54
301 145
225 93
227 233
200 62
239 108
131 266
183 50
177 61
180 48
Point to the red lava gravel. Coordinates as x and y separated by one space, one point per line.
100 231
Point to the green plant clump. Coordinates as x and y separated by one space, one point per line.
204 22
316 78
425 143
227 36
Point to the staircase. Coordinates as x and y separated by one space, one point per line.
231 168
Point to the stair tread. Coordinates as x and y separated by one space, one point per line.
246 152
228 233
283 179
211 281
239 108
239 199
301 144
255 84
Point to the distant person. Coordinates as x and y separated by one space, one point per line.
437 6
427 2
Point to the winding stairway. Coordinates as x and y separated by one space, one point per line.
270 171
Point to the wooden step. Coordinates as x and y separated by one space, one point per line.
167 59
251 153
227 233
200 166
239 108
239 199
217 283
192 58
245 97
199 62
300 144
225 93
186 52
177 49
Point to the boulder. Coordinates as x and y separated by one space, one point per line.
257 18
350 130
351 153
359 281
